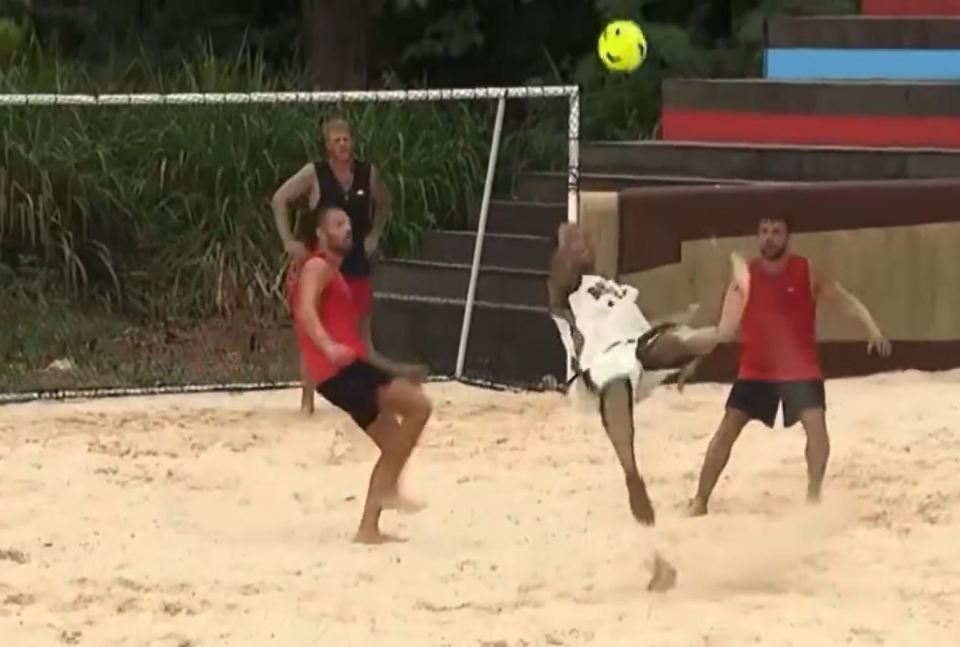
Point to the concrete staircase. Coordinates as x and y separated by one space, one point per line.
420 304
842 98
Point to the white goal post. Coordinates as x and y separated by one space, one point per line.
501 94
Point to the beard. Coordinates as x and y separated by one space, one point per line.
341 247
773 253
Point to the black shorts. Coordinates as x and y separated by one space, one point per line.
354 389
760 400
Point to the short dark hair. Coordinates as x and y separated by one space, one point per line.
786 220
321 213
313 220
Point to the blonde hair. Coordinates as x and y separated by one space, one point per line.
333 125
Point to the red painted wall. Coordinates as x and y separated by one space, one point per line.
810 129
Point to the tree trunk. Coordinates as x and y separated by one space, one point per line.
335 43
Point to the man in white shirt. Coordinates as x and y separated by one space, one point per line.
618 357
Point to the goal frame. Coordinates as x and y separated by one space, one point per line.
500 94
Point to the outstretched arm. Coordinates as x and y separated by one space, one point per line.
835 294
294 188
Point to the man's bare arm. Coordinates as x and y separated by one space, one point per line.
296 187
833 293
731 312
382 208
314 278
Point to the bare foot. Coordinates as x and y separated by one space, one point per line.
306 407
697 508
401 503
664 575
813 497
640 504
375 538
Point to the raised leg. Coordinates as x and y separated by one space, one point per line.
717 457
616 411
404 412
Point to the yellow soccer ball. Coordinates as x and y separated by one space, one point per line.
622 46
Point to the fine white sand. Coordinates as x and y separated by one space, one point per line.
226 520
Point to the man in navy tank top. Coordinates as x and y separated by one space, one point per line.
357 188
779 365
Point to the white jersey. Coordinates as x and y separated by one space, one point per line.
607 317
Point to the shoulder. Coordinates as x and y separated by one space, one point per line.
320 168
317 266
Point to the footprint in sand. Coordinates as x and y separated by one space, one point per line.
19 600
13 555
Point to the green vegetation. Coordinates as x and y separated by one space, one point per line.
139 242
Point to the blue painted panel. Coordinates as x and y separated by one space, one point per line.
894 64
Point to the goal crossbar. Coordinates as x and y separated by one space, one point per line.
501 94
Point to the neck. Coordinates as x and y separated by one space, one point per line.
332 257
776 264
339 166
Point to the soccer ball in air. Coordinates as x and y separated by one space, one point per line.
622 46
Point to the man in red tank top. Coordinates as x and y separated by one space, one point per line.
392 410
358 188
778 358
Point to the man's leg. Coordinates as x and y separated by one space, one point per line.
682 344
817 451
403 413
717 457
806 401
616 411
748 399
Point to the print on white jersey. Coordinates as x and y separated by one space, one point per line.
605 313
609 321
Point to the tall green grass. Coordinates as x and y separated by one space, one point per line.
163 211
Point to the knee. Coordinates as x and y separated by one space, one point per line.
423 407
417 406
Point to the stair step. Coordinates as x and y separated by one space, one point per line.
859 32
764 162
547 186
451 281
499 250
508 344
529 218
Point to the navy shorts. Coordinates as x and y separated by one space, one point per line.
760 399
354 389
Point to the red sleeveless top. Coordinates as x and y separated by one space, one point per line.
338 315
778 328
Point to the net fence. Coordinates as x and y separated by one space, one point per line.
138 253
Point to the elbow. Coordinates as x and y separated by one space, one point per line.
278 201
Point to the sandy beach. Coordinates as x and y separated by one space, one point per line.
202 520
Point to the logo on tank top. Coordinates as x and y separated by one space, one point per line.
602 289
